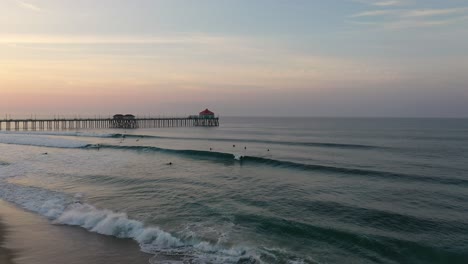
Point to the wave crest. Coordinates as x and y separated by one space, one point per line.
66 210
107 222
228 157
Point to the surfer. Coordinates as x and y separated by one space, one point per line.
170 163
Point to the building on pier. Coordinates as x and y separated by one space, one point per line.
206 118
124 121
206 114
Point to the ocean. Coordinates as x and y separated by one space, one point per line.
254 190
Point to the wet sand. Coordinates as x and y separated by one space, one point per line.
31 239
6 254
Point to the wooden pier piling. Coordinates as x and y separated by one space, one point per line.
103 123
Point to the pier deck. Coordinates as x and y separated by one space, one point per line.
95 123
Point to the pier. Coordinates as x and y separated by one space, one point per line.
205 118
102 123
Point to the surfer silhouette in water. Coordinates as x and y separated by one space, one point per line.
170 163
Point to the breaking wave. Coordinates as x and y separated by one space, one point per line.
44 141
65 210
121 135
61 133
276 142
228 157
39 141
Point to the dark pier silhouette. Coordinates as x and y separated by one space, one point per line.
89 123
204 119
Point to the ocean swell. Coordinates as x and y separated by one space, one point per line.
228 157
275 142
39 141
65 210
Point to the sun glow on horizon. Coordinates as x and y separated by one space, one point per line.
347 63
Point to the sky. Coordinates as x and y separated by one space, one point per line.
366 58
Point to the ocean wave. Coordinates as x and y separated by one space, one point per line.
65 210
39 141
262 141
375 247
229 157
61 133
352 171
184 152
44 141
384 219
275 142
122 135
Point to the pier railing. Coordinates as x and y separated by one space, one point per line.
100 123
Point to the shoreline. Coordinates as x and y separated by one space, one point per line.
6 255
27 238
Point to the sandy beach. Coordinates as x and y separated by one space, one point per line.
6 255
26 238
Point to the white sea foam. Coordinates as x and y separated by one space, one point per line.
58 133
68 210
107 222
39 140
238 156
62 209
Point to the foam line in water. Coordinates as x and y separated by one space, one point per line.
107 222
39 141
59 133
227 157
184 152
263 141
66 210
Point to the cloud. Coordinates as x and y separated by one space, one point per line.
398 18
388 3
374 13
382 3
412 23
413 13
29 6
435 12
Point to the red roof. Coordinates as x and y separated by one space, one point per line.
206 112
